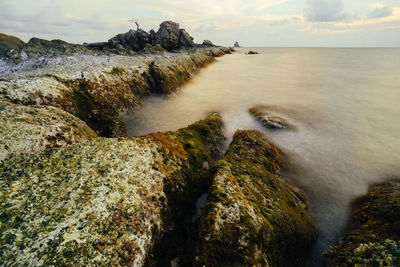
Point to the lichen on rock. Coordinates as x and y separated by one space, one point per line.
101 202
372 237
252 217
31 129
98 88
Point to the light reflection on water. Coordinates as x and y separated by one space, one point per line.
345 102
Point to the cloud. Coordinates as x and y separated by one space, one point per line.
380 12
325 11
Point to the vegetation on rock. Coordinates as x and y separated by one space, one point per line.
252 217
373 234
102 202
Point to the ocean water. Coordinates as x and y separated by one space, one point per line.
344 101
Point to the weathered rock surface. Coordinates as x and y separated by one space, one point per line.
373 234
98 88
8 42
31 129
134 40
269 120
168 35
207 43
104 202
185 39
252 218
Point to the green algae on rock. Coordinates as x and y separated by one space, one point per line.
269 120
31 129
373 235
252 218
104 202
97 89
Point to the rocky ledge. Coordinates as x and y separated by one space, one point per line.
252 217
373 234
102 202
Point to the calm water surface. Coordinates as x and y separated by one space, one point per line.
345 102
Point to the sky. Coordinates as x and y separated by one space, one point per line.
271 23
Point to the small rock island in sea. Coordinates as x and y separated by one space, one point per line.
76 190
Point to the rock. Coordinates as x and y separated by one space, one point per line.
11 40
134 40
8 43
207 43
97 89
251 53
185 39
270 121
31 129
252 218
168 35
373 233
98 45
105 202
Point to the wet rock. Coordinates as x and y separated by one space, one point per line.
185 39
31 129
269 120
207 43
168 35
252 218
105 202
373 234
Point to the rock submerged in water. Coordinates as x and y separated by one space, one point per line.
373 234
103 202
252 218
269 120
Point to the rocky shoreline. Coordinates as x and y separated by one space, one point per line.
76 190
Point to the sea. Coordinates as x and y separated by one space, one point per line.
345 103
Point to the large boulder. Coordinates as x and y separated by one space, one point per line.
105 202
134 40
185 39
168 35
373 233
31 129
252 217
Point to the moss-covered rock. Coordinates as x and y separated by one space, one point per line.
252 218
104 202
31 129
98 88
270 120
373 235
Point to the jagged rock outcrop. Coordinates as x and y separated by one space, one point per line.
168 35
31 129
373 234
104 202
252 218
185 39
207 43
134 40
8 42
270 120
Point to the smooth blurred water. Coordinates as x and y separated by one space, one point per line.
345 102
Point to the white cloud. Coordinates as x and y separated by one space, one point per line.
325 10
380 12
